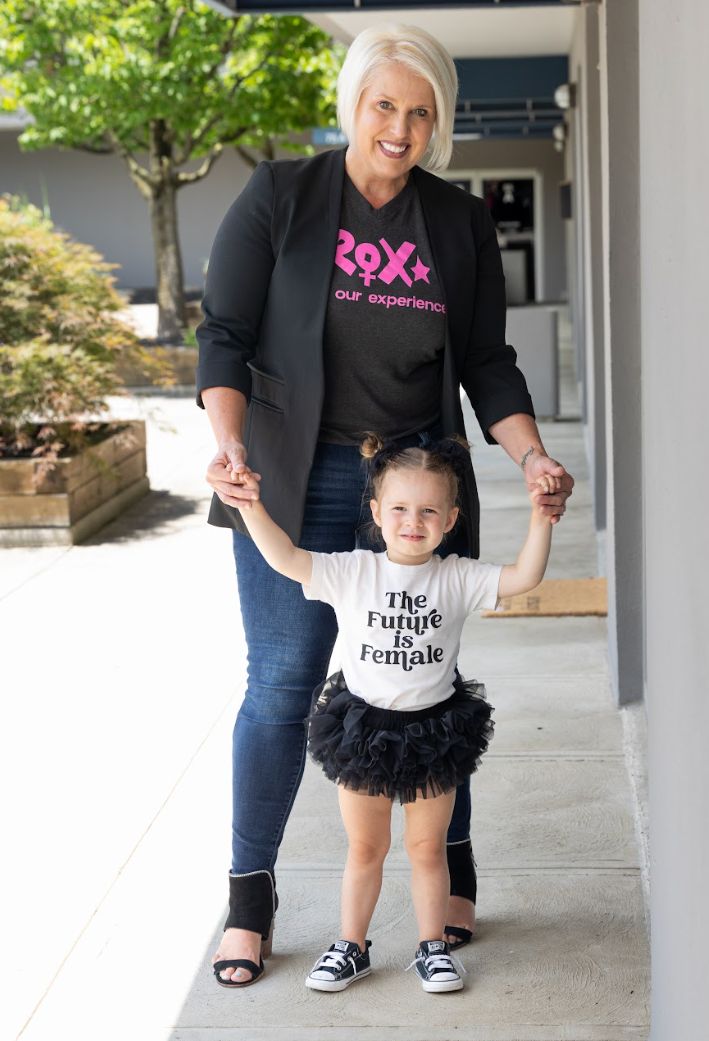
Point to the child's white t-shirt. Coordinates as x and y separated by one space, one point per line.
400 624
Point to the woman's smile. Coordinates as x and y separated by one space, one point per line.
393 151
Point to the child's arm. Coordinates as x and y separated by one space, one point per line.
274 545
531 563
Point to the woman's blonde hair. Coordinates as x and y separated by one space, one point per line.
423 55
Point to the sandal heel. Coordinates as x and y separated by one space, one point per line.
267 944
461 867
463 883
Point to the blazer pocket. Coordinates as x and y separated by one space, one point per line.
266 404
267 390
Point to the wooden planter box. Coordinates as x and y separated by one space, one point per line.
78 496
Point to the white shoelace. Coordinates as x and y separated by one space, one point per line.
443 962
333 961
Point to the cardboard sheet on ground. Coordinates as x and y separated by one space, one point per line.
556 597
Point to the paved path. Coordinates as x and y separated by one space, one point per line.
121 666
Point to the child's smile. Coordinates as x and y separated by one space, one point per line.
414 512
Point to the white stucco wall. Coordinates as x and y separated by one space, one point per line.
674 159
93 198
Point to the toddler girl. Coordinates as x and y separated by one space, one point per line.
398 722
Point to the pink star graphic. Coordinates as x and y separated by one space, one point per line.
420 270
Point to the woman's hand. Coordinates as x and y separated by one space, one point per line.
540 471
229 475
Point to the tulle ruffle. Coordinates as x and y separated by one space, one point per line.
403 755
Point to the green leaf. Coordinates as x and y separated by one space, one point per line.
84 68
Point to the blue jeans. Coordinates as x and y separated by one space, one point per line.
290 641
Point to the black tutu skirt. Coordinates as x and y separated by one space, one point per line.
403 755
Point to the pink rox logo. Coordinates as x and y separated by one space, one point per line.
369 259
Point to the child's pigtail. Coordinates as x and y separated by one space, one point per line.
371 445
453 451
379 455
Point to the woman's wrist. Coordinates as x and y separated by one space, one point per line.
517 434
226 409
231 441
530 455
525 457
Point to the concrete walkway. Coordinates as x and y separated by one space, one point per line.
122 664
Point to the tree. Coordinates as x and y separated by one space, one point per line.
162 83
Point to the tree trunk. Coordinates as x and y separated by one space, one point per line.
168 262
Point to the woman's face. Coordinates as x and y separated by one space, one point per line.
393 123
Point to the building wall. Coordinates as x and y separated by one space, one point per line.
674 154
533 155
94 199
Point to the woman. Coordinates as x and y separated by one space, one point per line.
349 292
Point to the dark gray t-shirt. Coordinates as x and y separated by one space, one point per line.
385 322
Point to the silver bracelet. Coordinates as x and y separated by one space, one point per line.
526 456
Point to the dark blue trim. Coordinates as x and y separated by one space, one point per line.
509 97
537 78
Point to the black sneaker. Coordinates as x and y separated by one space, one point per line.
435 967
341 965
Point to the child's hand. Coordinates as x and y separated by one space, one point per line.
249 481
547 484
539 465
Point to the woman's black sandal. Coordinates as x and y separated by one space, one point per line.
464 882
238 963
252 905
464 936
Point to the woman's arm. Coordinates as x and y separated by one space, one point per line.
490 377
226 409
238 277
493 382
274 545
519 436
528 571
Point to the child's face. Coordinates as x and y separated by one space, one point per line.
414 512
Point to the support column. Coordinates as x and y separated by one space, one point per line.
618 24
674 150
595 354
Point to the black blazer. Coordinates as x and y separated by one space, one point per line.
264 314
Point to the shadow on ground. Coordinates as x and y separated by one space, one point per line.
153 515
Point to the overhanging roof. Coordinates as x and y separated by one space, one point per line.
511 55
292 6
